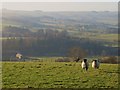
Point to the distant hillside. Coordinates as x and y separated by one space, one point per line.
37 33
75 23
59 20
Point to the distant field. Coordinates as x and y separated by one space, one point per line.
109 21
90 35
109 37
57 75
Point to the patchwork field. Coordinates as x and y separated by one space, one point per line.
58 75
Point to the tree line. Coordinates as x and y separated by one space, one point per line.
53 47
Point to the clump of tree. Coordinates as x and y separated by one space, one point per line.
77 53
110 59
13 31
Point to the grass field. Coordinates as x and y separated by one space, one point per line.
108 37
57 75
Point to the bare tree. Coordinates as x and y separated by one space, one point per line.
77 53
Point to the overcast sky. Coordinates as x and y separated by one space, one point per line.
62 6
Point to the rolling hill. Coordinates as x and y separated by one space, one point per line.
38 30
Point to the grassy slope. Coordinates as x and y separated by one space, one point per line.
108 37
57 75
111 38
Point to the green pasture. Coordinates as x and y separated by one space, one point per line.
58 75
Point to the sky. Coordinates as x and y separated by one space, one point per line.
61 6
59 0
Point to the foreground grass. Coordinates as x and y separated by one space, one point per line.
57 75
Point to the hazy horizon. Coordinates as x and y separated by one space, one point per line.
61 6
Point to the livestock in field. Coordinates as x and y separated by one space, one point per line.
95 64
19 56
85 64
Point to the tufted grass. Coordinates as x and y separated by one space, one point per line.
57 75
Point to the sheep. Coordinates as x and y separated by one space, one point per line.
19 56
95 64
85 64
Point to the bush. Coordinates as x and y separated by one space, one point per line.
110 59
63 60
